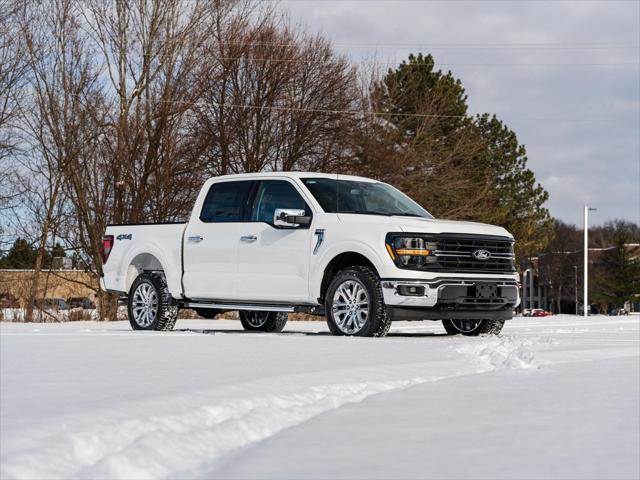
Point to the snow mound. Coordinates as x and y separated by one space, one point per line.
496 353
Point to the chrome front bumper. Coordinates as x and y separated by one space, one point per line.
402 293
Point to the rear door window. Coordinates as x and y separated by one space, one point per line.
226 202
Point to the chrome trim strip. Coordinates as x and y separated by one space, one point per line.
432 293
412 283
320 234
501 282
439 253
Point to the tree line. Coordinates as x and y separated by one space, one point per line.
614 258
115 111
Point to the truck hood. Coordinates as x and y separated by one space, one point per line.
425 225
432 225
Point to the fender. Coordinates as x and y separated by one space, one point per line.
332 251
169 267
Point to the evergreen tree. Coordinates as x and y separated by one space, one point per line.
618 275
516 200
423 141
415 88
21 255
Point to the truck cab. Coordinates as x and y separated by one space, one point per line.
352 249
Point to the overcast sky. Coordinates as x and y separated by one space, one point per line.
564 75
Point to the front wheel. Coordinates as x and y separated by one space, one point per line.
150 305
264 321
472 328
355 304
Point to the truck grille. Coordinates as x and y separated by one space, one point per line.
456 253
453 252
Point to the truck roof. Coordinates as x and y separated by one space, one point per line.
294 175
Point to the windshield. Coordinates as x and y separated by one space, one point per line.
368 198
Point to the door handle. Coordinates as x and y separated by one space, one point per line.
195 239
248 238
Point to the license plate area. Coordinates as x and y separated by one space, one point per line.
486 291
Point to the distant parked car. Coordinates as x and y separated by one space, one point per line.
81 302
619 311
8 301
526 312
52 304
538 312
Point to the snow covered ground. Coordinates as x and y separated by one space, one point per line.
555 397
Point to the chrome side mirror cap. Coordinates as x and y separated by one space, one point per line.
287 218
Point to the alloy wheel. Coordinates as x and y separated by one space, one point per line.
257 319
466 326
351 307
145 305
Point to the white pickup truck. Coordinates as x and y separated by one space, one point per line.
352 249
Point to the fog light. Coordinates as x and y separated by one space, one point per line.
411 290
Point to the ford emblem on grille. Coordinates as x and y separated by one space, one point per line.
481 254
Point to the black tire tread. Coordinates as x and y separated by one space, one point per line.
167 306
450 329
381 320
486 327
276 321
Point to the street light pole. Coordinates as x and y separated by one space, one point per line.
575 268
585 286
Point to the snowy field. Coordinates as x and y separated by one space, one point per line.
555 397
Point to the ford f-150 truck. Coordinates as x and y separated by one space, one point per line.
355 250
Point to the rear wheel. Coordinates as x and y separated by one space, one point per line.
150 305
472 328
264 321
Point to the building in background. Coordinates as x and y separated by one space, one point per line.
553 281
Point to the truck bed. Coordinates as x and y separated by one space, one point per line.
139 247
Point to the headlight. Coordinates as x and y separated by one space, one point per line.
409 251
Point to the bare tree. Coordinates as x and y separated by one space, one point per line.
12 77
58 121
273 98
150 49
556 264
12 72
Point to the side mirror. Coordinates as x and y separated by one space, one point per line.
285 218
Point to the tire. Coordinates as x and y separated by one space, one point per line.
263 321
208 313
473 328
150 290
350 319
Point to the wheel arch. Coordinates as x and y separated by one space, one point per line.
340 262
140 263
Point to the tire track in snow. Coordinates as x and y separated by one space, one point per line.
186 434
160 446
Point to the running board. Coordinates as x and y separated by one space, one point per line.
243 307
